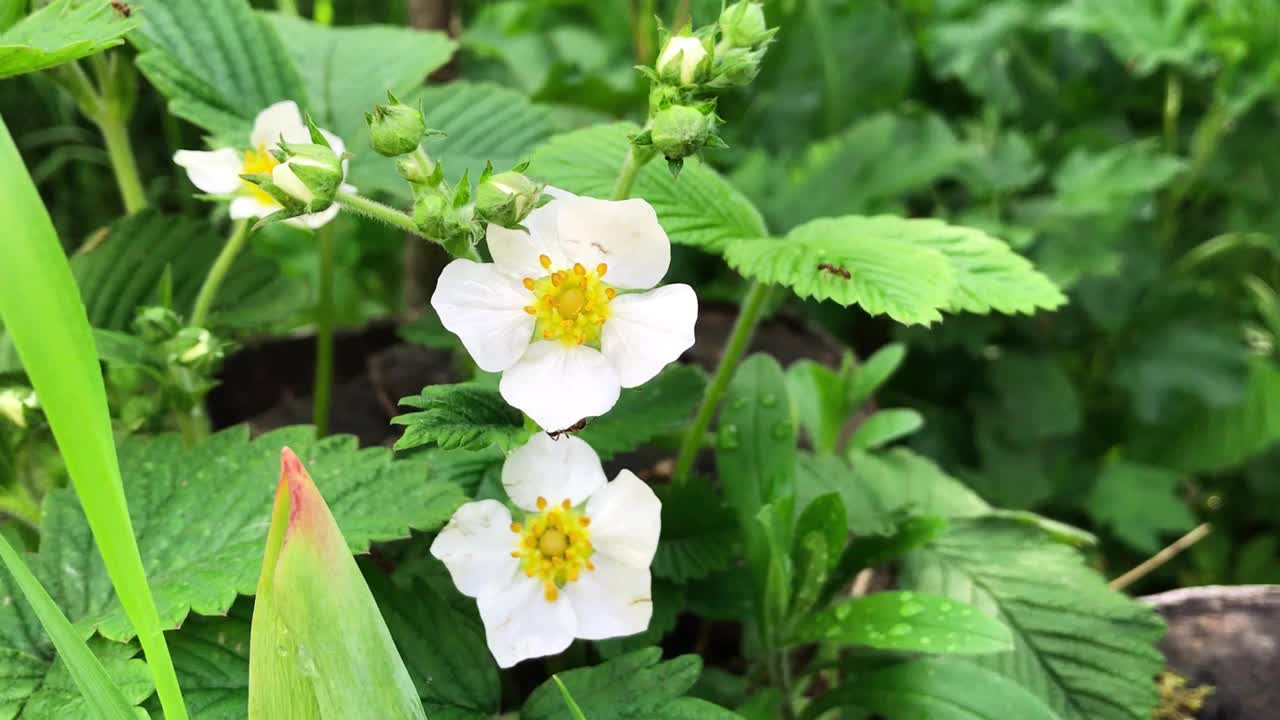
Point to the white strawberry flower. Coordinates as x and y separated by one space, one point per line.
560 310
575 566
218 172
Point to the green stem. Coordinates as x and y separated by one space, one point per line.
384 213
287 7
780 674
120 151
377 211
743 328
1172 108
635 161
193 424
240 233
323 12
324 336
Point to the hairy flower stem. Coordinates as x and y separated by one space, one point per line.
389 215
635 161
240 233
106 103
324 335
743 328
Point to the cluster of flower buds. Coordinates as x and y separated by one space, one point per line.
691 67
173 370
307 178
455 216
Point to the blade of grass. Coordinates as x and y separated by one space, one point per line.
89 675
569 702
43 314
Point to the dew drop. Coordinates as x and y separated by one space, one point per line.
782 430
911 608
769 400
727 437
900 629
739 404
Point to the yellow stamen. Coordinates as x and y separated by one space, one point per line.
572 304
545 262
601 269
554 546
528 283
258 161
542 503
566 504
552 592
579 270
610 293
584 521
515 527
531 309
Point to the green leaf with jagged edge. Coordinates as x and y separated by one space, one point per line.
907 620
838 259
870 166
47 670
1088 651
60 32
933 689
441 639
124 269
465 416
219 64
211 655
1139 503
699 208
662 405
1144 35
199 514
1105 183
699 534
630 687
1218 438
876 486
909 269
351 69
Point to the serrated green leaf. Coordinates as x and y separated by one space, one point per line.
1090 182
1087 650
869 167
350 69
1144 34
124 269
885 426
1202 358
219 64
699 208
60 32
1139 503
443 645
200 512
464 416
98 679
662 405
908 620
847 261
699 534
212 658
934 689
630 687
963 48
1223 437
876 486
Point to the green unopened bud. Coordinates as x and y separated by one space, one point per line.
195 348
156 324
15 402
681 131
742 24
506 199
395 129
311 175
684 60
736 66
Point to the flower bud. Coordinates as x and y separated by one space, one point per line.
680 131
736 66
156 324
310 175
506 199
742 24
683 60
195 348
395 129
15 402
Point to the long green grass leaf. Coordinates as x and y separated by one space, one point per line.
46 321
98 690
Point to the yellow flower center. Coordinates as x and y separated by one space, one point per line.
554 546
571 305
259 161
